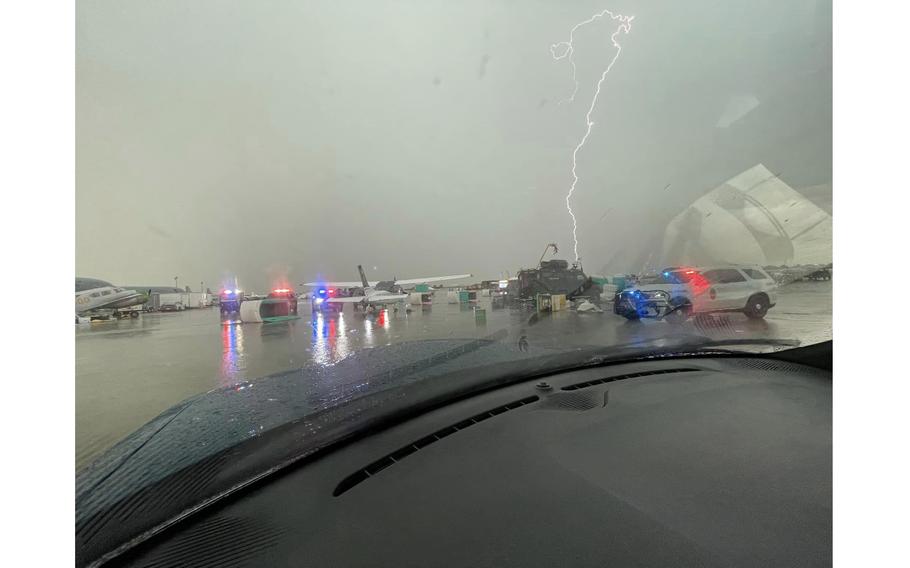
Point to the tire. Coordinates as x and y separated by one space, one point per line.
631 315
682 311
626 309
757 306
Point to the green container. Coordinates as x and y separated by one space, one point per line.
480 316
422 288
463 296
620 282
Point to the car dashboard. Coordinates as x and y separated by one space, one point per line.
704 461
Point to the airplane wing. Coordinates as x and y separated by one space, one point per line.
347 300
390 299
385 299
430 279
351 284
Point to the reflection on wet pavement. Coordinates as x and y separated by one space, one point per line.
232 353
129 371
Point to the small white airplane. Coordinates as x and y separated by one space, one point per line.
377 293
92 295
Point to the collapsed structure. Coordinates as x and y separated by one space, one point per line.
752 218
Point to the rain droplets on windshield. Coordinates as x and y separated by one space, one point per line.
306 189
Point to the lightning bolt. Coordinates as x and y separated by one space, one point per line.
566 49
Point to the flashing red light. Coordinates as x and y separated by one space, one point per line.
281 290
331 291
699 283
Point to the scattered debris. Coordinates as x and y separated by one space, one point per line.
587 306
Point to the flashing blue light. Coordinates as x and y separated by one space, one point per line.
322 290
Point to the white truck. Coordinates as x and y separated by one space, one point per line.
197 299
171 302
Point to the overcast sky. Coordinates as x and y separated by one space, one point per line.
285 140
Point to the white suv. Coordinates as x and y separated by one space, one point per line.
746 289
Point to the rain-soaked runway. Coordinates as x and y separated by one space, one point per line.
128 371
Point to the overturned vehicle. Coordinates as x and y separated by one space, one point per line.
554 277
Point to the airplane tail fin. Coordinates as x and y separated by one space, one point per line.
363 277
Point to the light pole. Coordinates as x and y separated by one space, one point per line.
175 281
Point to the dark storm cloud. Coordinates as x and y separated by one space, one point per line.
287 140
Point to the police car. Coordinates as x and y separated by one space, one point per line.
679 292
319 299
229 301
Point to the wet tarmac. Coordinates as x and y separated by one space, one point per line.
129 371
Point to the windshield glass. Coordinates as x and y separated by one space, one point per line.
303 204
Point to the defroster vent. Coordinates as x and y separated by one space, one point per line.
586 384
398 455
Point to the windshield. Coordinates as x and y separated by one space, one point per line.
347 199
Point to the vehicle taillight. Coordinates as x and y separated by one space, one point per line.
699 282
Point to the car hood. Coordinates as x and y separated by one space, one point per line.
217 442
